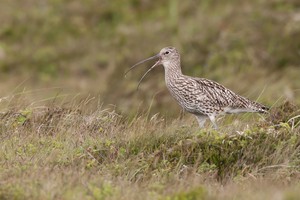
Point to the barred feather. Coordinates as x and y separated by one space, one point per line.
199 96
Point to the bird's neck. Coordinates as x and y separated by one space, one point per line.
172 70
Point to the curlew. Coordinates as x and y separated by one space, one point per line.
204 98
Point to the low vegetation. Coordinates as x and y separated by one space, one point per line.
69 152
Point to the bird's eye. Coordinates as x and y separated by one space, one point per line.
167 52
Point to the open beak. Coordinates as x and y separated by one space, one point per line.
156 64
151 58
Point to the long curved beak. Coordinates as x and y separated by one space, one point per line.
156 64
151 58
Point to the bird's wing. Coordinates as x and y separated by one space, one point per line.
217 95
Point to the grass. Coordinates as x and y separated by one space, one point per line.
72 127
71 152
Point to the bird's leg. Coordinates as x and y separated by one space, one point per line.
213 121
201 120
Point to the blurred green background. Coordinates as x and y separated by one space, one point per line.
62 47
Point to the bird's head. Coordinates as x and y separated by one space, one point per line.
167 57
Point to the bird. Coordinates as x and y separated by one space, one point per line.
204 98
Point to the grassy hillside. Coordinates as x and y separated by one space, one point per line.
87 46
72 127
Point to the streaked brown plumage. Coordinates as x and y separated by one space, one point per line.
202 97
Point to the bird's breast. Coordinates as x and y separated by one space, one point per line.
184 93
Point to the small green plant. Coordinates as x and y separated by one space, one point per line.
193 194
102 192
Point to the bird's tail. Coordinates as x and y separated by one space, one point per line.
243 105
